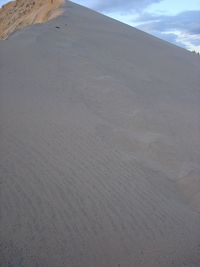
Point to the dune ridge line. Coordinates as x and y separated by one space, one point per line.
18 14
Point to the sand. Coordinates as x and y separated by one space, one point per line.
99 148
18 14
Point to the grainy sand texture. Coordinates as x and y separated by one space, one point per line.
18 14
99 146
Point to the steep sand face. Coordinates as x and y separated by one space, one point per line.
21 13
99 147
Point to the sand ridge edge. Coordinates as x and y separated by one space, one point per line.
18 14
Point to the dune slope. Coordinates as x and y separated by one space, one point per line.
99 146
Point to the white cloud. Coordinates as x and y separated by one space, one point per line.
188 40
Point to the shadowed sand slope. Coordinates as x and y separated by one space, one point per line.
18 14
99 148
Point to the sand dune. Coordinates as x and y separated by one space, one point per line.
99 148
18 14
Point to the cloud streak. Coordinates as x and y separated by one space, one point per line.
116 5
122 5
188 21
182 29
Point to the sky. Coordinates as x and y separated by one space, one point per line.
176 21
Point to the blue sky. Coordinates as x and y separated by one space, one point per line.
176 21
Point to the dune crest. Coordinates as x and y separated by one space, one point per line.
18 14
